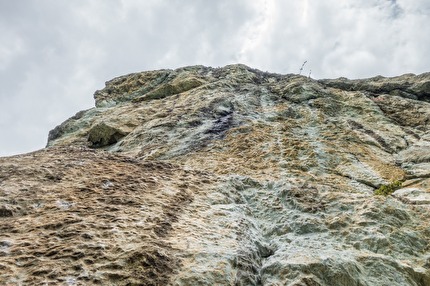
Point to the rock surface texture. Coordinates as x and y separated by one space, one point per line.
226 176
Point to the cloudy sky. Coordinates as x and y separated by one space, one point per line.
55 53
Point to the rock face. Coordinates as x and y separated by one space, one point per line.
226 176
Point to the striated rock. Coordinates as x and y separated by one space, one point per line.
407 85
413 196
226 176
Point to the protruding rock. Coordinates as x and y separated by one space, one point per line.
102 135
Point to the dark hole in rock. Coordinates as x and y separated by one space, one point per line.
102 135
5 212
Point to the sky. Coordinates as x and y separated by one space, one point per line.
55 53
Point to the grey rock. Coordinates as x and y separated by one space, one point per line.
227 176
415 196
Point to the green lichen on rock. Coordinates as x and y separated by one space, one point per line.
386 190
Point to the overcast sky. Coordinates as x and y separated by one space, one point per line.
55 53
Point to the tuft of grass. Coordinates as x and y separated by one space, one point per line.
386 190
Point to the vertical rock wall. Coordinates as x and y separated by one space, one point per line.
226 176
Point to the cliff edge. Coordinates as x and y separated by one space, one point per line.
226 176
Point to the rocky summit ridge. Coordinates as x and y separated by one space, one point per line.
226 176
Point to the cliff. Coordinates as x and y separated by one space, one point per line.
226 176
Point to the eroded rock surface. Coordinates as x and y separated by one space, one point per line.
226 176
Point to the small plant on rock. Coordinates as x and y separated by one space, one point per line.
386 190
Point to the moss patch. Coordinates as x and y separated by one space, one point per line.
386 190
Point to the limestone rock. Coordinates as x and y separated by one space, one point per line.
413 196
226 176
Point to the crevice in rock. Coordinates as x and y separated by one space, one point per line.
414 176
357 126
364 182
249 262
256 246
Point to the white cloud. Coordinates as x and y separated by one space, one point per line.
12 48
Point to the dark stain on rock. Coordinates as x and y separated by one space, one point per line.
5 212
221 125
150 267
171 213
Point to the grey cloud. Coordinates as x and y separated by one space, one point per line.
55 53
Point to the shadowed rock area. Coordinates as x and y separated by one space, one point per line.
226 176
